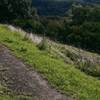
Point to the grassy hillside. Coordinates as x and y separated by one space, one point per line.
65 77
87 62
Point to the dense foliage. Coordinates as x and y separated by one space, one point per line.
10 9
80 27
58 7
86 27
51 7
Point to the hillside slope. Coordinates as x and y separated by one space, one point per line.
86 61
24 81
58 7
63 76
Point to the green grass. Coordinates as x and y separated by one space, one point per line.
91 66
5 94
64 77
12 97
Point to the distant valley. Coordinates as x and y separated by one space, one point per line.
58 7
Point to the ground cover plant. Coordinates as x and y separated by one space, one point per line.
65 77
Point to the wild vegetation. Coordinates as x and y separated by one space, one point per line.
85 61
65 69
79 27
10 9
7 94
64 77
58 7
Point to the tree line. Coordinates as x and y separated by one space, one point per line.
16 9
79 27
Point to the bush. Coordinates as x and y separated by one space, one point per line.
43 45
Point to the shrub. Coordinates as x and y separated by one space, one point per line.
43 44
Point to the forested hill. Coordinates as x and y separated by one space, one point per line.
58 7
51 7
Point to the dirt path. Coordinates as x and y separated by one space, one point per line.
23 80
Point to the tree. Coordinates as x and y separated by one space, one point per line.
10 9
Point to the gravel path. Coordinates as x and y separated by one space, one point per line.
23 80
